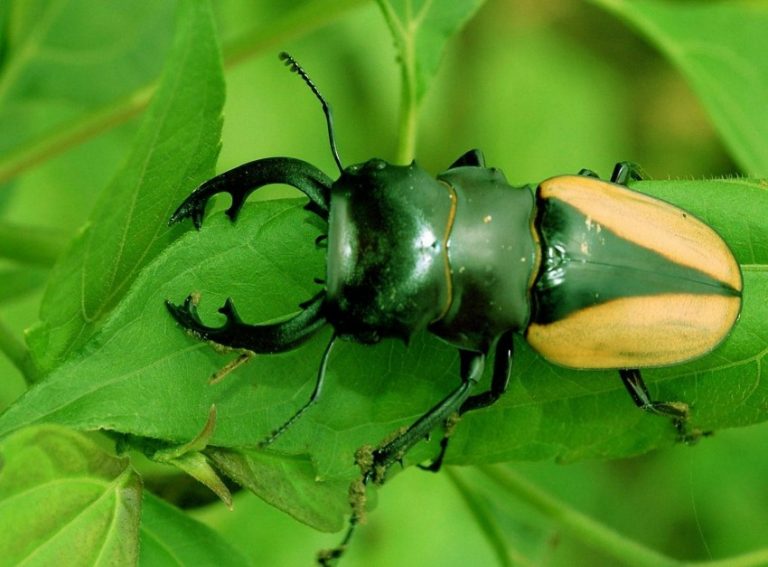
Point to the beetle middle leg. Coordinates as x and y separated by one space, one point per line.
472 365
502 370
626 171
393 450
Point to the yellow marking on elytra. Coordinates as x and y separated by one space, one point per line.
637 332
448 271
648 222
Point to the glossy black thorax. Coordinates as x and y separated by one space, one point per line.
387 264
407 252
494 256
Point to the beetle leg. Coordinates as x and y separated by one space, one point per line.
502 369
588 173
312 399
626 171
390 453
379 461
637 389
472 158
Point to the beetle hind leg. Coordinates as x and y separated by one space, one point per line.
678 412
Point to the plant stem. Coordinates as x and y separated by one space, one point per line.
292 23
17 353
64 137
404 34
409 110
752 559
31 245
506 555
593 533
77 132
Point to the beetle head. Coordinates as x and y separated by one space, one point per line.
387 239
387 266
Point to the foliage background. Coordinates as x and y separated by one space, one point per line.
543 88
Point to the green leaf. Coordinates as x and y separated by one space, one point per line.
142 375
171 537
52 76
554 413
65 502
175 149
69 51
20 281
720 47
289 484
189 458
421 29
31 245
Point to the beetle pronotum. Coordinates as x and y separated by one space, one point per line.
591 273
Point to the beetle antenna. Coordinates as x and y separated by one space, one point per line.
293 65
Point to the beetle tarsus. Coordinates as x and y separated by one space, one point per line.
679 412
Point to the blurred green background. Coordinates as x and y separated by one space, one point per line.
542 87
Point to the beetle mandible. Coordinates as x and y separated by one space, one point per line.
591 274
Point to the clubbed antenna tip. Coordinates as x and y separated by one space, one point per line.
294 66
